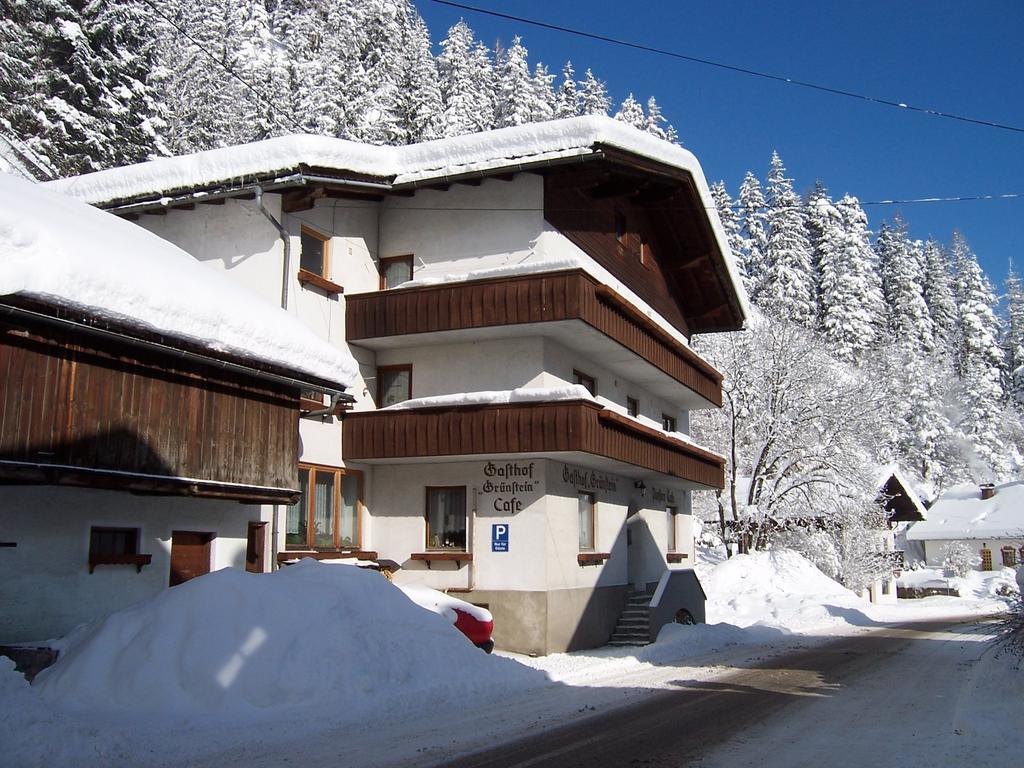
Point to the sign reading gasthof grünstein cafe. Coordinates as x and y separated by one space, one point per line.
508 487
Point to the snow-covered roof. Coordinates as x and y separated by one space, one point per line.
489 151
961 513
62 252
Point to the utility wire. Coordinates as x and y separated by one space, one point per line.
732 67
255 91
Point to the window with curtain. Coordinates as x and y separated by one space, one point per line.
394 384
326 516
446 518
394 271
585 502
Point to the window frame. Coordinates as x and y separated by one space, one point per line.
671 513
381 370
620 226
426 517
132 550
384 261
1011 561
339 474
668 423
580 378
325 271
646 257
632 406
592 498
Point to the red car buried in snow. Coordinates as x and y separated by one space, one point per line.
474 622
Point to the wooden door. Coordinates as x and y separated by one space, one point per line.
255 546
190 555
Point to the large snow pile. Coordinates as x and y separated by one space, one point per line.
340 640
60 251
779 588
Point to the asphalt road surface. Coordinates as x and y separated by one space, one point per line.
886 698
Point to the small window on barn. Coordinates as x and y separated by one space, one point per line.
585 380
314 254
620 226
113 541
668 423
394 384
1009 557
394 271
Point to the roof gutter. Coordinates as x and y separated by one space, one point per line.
337 394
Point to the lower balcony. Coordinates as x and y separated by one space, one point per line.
546 429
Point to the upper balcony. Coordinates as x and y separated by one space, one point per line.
569 306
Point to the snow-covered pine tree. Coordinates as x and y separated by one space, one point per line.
753 221
421 109
545 102
1015 338
593 96
901 263
978 358
820 213
731 227
852 309
787 289
632 113
514 95
938 293
464 78
568 97
88 103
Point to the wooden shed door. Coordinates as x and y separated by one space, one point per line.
190 555
254 547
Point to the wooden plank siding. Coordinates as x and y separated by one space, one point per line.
535 298
583 426
102 414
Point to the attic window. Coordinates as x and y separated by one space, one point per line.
313 257
620 226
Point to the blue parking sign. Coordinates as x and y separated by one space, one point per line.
499 537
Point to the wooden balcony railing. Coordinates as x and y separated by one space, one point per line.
534 298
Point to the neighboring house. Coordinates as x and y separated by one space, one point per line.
520 303
989 520
148 412
901 507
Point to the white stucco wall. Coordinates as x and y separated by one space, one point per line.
935 550
45 585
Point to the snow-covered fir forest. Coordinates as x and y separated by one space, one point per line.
866 346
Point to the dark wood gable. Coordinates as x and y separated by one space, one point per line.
77 410
645 223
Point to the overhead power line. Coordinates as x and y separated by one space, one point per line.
732 67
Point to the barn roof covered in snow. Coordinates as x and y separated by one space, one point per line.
59 252
961 513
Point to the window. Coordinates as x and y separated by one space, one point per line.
326 516
446 518
986 559
585 380
632 406
668 423
1009 557
314 252
394 271
645 253
113 541
585 502
620 226
394 384
670 519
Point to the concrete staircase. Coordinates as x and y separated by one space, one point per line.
634 625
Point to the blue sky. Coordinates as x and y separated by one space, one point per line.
958 57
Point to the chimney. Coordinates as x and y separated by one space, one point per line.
988 490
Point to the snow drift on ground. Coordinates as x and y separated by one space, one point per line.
58 250
249 645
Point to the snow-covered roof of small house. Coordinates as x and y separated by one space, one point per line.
890 474
961 513
503 150
61 252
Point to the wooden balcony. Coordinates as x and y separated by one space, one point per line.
581 426
548 297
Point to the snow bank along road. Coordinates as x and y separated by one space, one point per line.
914 694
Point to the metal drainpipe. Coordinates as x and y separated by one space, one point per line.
286 241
